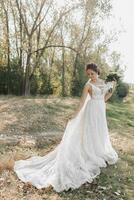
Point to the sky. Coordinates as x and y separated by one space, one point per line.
123 11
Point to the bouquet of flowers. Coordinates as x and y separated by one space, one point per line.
113 76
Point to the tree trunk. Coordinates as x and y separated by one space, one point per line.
63 72
75 67
27 74
27 86
27 82
8 47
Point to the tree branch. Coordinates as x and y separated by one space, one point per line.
34 24
49 46
22 17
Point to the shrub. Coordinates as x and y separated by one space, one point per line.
122 89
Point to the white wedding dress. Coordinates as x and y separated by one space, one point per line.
84 148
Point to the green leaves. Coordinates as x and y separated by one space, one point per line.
113 76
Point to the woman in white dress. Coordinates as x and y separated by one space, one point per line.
84 148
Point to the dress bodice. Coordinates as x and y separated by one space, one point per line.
98 92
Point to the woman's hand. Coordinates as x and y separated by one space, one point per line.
72 116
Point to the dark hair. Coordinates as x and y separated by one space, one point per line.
93 67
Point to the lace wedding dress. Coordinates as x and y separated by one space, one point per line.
84 148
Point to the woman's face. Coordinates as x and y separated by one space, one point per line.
92 74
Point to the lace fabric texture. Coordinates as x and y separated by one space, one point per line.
84 149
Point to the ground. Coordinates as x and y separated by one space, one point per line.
34 126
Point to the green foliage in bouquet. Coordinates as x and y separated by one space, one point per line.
113 76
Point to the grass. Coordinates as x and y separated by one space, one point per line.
37 116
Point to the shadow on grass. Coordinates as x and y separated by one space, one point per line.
34 116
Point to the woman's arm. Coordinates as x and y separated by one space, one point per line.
86 90
109 94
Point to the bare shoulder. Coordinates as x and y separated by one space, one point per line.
87 86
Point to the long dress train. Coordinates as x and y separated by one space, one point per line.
84 148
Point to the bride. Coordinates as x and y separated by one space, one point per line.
84 148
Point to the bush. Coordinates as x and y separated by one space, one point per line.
120 92
122 89
11 81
